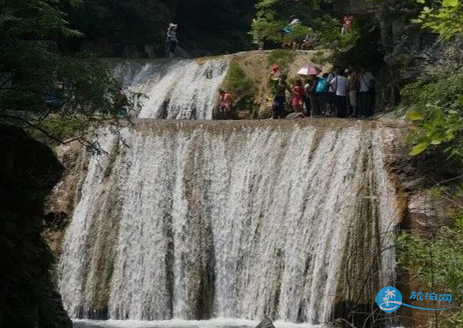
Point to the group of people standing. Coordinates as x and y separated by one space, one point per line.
340 93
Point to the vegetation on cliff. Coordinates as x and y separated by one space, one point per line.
39 84
434 105
41 89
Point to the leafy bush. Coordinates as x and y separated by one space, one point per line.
237 81
435 106
438 262
446 19
329 31
240 86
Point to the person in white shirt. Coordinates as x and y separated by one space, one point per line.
331 94
339 86
366 82
294 21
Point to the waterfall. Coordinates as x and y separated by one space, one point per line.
183 89
199 220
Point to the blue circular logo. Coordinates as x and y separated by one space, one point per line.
389 299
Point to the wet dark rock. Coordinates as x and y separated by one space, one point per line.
28 172
412 184
266 323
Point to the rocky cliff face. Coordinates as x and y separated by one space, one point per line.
410 52
28 172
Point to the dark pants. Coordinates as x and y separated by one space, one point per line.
278 107
321 99
330 103
341 106
308 106
364 107
314 104
222 113
171 45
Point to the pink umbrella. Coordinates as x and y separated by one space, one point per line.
309 70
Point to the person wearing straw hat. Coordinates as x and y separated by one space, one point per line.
171 40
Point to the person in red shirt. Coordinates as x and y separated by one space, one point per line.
225 103
347 24
297 100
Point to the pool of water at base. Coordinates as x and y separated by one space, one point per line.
215 323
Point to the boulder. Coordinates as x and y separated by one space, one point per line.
266 323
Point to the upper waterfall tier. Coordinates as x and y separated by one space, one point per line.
197 220
183 89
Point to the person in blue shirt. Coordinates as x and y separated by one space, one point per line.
321 91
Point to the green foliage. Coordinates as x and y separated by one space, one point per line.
33 18
435 107
329 31
445 19
438 262
240 86
436 258
32 69
237 81
274 15
437 104
267 28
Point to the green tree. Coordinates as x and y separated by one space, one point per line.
437 113
435 107
274 15
445 18
41 88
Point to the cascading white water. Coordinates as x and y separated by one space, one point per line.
196 220
183 89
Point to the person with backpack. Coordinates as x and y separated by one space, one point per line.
321 91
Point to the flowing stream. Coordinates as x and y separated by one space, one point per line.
195 220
